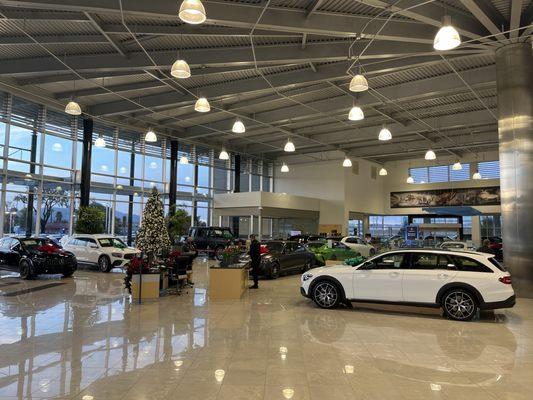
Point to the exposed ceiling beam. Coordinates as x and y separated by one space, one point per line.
246 16
223 56
188 30
52 39
95 20
14 13
431 14
401 92
488 15
313 6
516 11
69 77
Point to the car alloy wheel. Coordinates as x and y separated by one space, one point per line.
459 305
274 271
104 264
326 294
25 270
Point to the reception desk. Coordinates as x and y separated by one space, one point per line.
228 283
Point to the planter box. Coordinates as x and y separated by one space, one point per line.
150 286
227 283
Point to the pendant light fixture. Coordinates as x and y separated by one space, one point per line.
347 163
99 142
384 134
73 108
289 146
192 12
356 113
447 37
476 175
430 155
238 127
284 168
202 105
358 82
184 160
410 179
180 69
383 172
457 166
223 155
150 136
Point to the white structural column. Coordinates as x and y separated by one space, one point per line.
514 78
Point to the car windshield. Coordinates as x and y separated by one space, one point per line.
34 243
275 247
112 242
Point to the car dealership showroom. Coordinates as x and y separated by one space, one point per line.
266 199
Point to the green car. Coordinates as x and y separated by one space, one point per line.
338 251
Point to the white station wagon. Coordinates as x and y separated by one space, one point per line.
458 281
106 251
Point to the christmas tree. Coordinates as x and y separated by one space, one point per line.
152 237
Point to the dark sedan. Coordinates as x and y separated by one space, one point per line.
281 257
32 256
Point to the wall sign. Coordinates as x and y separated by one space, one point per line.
487 196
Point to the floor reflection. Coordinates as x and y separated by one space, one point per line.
85 340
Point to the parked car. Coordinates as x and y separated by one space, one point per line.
452 245
496 242
212 239
283 257
106 251
32 256
359 245
338 251
459 282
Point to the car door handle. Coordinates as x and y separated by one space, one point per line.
394 274
443 276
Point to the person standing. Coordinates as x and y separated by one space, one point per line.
255 256
485 248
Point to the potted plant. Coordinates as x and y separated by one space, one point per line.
230 255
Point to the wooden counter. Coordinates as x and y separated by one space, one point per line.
228 283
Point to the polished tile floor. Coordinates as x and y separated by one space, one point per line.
81 338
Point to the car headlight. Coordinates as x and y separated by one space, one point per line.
306 277
117 255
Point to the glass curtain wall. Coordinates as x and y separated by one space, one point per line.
40 161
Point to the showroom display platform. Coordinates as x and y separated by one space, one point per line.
264 346
228 283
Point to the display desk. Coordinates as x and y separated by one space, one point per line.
228 283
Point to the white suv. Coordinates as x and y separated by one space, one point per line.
358 244
460 282
106 251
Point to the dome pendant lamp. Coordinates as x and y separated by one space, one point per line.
150 136
180 69
192 12
383 172
238 127
476 175
184 160
410 179
347 163
457 166
358 83
73 108
356 113
447 38
202 105
223 155
430 155
284 168
289 146
384 134
99 142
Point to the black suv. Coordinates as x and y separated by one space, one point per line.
212 239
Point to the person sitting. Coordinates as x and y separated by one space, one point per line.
485 247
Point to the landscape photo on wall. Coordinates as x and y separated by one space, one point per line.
486 196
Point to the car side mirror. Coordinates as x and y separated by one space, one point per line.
451 267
